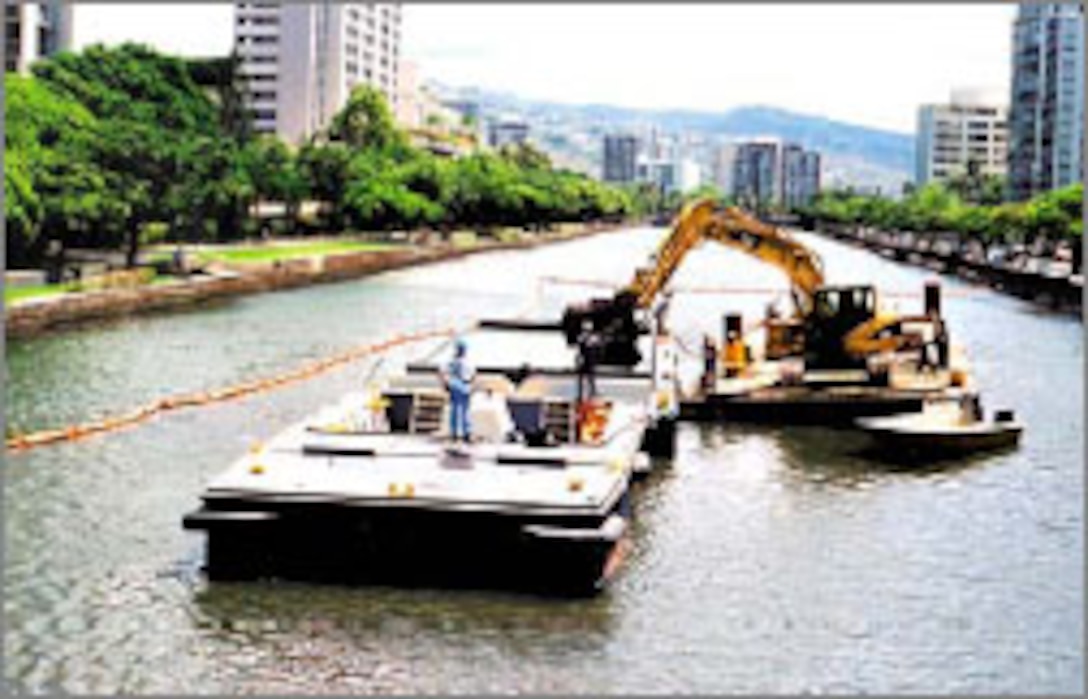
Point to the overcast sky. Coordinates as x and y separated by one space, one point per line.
870 65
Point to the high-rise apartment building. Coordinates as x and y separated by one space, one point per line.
969 133
33 30
722 167
770 173
302 61
757 173
800 176
620 155
1046 121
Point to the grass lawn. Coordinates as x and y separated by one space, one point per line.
270 253
21 293
464 239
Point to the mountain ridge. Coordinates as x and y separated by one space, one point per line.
852 151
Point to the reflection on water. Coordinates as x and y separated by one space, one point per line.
764 560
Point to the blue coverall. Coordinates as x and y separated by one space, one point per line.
459 375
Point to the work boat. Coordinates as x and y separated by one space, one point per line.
944 429
373 489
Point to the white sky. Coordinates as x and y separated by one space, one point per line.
866 64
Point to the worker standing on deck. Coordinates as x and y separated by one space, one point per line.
710 363
458 379
590 346
736 354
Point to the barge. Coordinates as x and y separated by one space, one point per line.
372 490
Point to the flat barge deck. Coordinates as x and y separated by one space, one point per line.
802 405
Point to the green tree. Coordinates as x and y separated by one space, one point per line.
367 122
326 169
377 196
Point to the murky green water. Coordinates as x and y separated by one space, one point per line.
765 560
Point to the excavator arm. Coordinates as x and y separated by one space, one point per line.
703 220
884 333
839 335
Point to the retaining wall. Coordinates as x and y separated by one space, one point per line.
37 315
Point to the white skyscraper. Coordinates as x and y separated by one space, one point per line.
301 61
33 30
970 131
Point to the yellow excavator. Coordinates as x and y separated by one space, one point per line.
832 327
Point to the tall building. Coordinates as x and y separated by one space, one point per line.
722 167
1046 138
769 173
757 173
689 176
620 154
800 176
971 131
33 30
301 61
410 111
659 172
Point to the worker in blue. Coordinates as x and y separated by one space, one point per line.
457 378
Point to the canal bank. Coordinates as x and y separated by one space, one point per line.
763 561
1043 281
38 315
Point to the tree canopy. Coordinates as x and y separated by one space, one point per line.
1051 216
106 143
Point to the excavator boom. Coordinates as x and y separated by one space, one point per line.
833 327
702 220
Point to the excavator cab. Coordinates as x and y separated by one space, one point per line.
614 328
836 310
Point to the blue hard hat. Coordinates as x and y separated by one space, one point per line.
459 345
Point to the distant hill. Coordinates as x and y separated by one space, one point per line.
853 154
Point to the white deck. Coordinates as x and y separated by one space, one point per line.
408 470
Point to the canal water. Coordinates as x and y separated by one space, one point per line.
765 560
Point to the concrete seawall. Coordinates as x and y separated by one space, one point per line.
38 315
1059 292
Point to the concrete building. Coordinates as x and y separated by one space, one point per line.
971 129
660 173
620 158
33 30
417 105
768 173
688 175
507 131
721 167
1046 120
302 61
757 173
410 111
800 176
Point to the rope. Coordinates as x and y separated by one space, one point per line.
23 442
